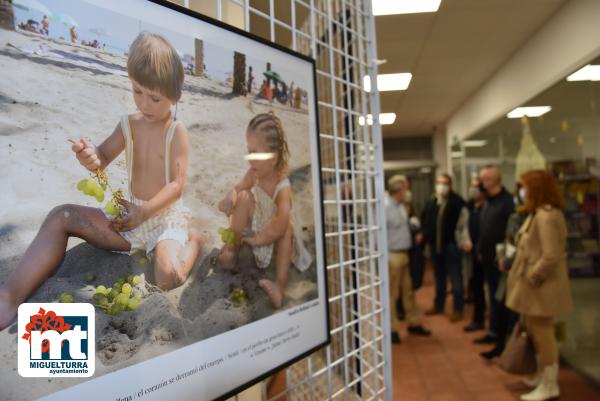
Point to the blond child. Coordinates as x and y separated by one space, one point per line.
260 208
156 148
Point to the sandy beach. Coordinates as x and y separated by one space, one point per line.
52 91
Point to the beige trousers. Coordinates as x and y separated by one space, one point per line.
541 330
400 280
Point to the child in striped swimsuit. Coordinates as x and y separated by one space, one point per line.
261 209
157 149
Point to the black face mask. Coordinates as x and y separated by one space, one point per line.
482 188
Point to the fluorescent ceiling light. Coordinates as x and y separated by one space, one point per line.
389 7
533 111
384 119
389 82
588 73
474 143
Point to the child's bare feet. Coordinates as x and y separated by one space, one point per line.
8 310
227 257
273 291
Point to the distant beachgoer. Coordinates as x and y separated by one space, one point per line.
45 25
74 35
250 80
297 98
291 94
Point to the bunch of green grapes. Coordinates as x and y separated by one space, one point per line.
238 295
65 298
96 185
227 236
112 206
125 295
91 187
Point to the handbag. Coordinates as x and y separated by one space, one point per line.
519 356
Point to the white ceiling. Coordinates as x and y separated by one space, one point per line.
451 53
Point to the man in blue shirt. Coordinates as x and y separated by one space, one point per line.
399 243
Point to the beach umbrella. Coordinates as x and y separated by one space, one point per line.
273 75
32 5
65 19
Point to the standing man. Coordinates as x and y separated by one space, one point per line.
250 80
497 209
46 25
476 283
446 232
73 33
399 243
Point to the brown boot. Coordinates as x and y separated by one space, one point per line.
456 316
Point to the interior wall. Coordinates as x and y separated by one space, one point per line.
441 151
566 42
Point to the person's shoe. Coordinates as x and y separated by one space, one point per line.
456 316
395 338
533 381
487 339
548 387
473 326
419 330
433 311
493 353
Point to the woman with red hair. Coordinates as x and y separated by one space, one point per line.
538 283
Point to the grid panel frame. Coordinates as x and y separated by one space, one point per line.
340 36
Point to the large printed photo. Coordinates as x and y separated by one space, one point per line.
168 178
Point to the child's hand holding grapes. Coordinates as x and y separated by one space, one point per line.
135 216
87 154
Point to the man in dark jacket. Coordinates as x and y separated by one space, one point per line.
476 282
497 209
445 230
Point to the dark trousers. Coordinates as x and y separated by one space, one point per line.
477 287
492 278
448 263
506 318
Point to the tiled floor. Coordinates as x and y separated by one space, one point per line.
447 366
582 345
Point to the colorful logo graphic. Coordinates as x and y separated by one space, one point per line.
56 340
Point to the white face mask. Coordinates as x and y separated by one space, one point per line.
522 194
442 189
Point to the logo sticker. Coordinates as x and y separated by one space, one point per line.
56 340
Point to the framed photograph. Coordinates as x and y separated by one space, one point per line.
163 167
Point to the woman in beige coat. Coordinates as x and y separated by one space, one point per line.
538 282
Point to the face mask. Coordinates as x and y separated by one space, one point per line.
442 189
474 193
482 188
522 194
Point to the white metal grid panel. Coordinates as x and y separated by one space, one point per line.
340 36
